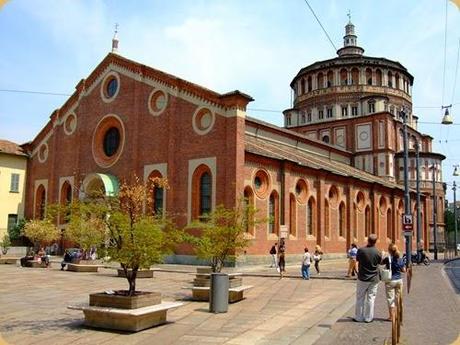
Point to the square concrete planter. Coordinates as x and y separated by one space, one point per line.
8 261
124 302
140 273
126 313
82 267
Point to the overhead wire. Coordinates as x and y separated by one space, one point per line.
322 27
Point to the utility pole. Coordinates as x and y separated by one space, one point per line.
454 188
435 211
419 216
406 187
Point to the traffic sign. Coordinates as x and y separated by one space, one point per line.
407 223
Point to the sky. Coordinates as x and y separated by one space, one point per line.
255 46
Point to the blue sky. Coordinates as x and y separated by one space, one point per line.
255 46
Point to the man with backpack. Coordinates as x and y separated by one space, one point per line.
273 254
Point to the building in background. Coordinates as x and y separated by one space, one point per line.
353 102
330 177
13 164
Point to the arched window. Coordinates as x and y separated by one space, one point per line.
397 85
378 77
292 214
302 86
320 80
273 213
368 76
157 193
309 84
330 79
390 79
66 199
248 202
354 76
342 220
343 77
202 192
310 217
326 219
367 221
390 230
40 202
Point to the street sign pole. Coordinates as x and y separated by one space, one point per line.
407 212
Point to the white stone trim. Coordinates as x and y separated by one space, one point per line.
162 168
69 114
42 159
122 143
210 162
37 183
103 84
149 101
197 129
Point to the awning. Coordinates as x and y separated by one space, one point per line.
110 183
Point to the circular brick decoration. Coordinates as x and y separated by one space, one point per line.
261 183
158 101
108 141
203 121
43 153
110 87
70 124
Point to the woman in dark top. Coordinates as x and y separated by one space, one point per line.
281 262
393 287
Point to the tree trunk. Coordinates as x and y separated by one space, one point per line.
132 281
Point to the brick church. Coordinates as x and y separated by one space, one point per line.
331 176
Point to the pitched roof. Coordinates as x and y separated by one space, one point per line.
11 148
277 150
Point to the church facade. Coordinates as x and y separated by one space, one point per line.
322 179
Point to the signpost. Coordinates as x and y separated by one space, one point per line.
284 232
408 224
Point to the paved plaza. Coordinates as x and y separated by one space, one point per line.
289 311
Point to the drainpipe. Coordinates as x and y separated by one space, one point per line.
282 192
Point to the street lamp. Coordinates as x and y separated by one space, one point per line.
435 211
407 212
454 188
419 216
447 118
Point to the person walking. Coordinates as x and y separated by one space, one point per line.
369 259
317 256
306 261
393 288
352 252
281 261
273 254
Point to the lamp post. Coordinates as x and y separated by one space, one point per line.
447 118
419 216
454 188
406 186
435 225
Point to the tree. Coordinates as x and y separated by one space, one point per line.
223 233
5 244
15 231
132 238
41 230
84 227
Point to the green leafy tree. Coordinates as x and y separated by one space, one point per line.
15 231
133 238
224 233
84 227
41 230
5 244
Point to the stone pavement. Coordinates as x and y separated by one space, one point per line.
431 312
289 311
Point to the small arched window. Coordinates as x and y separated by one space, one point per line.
368 76
273 213
66 199
320 80
354 76
390 79
309 84
330 79
248 202
157 193
310 217
342 220
40 202
367 221
378 77
202 192
390 232
343 77
326 219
